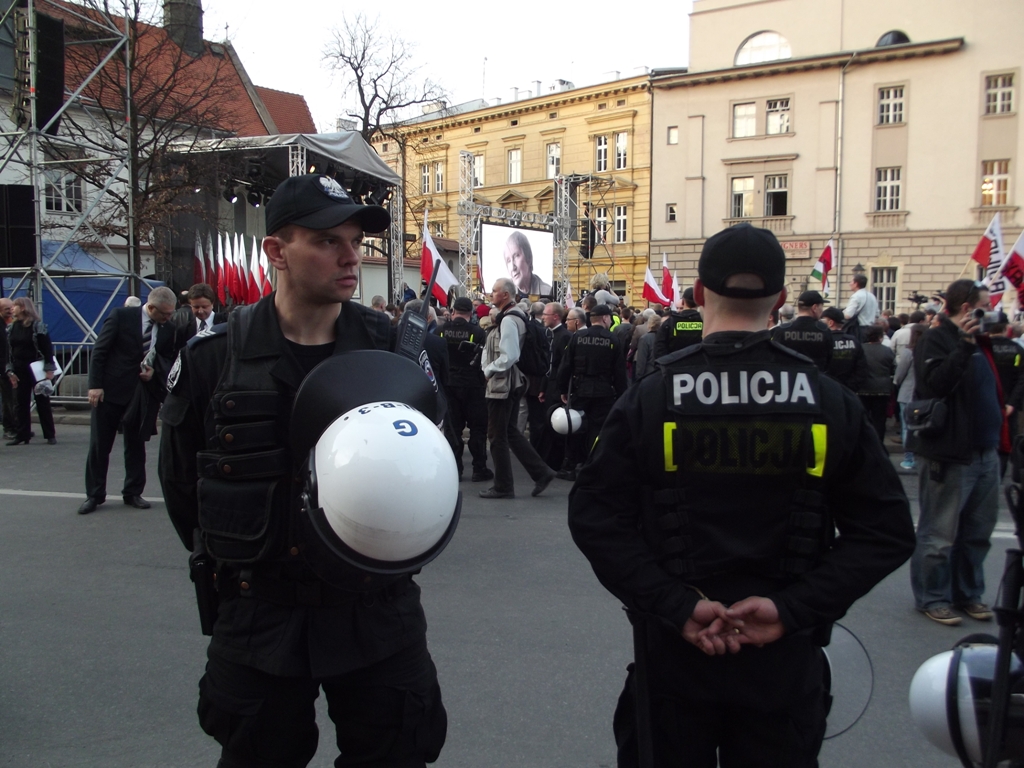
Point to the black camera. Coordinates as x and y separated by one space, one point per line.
987 319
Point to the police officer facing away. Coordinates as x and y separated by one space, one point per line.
680 329
806 334
847 365
466 404
283 631
592 374
747 460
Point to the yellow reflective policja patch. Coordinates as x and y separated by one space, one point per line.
670 465
819 434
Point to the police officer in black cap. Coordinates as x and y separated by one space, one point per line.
284 629
806 334
466 404
591 375
848 365
680 329
747 461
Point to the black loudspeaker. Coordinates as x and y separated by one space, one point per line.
49 70
17 226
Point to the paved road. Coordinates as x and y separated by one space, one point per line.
100 649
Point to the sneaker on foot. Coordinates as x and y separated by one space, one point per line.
977 611
943 615
908 465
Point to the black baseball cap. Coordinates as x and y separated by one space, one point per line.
742 249
315 201
600 309
835 314
463 304
810 298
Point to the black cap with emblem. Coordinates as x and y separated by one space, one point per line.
742 249
319 202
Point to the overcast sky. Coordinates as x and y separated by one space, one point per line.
282 44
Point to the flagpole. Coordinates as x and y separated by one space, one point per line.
964 270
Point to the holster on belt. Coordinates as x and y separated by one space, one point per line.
202 569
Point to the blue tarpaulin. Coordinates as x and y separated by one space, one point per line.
85 281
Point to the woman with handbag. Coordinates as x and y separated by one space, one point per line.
29 342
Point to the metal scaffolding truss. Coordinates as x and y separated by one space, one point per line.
396 243
26 149
579 197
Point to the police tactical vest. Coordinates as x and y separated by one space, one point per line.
687 328
465 341
742 450
807 336
249 486
594 354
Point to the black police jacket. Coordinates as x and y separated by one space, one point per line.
679 331
595 363
810 337
465 342
847 365
703 441
1008 357
321 630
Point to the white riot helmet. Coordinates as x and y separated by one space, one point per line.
382 488
951 700
566 420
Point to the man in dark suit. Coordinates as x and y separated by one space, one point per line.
196 316
552 448
125 372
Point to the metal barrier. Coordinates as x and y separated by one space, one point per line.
72 388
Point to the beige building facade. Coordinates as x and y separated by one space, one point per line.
519 150
891 126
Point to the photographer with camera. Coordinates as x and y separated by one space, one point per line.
959 480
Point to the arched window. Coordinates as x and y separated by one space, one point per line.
892 37
763 46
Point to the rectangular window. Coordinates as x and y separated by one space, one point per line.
995 182
438 227
515 166
776 195
478 171
63 193
890 105
620 224
778 116
887 189
744 120
670 212
439 177
883 285
998 94
601 163
673 134
621 141
742 197
424 178
601 223
554 160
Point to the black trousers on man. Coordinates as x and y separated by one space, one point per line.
106 418
467 407
595 412
387 714
505 436
10 405
877 407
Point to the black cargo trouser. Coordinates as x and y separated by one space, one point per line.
467 407
388 714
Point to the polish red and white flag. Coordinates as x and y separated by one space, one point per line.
652 291
429 257
1013 264
667 289
990 254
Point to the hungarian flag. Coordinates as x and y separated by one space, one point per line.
198 267
823 267
445 279
1013 264
254 274
652 292
666 280
221 272
569 303
990 245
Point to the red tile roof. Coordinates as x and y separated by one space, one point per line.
289 110
208 90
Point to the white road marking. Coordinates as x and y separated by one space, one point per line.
56 494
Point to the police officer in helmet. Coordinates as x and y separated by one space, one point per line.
746 461
284 629
591 375
466 404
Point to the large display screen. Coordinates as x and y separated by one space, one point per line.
527 256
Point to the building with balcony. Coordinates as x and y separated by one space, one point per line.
891 126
